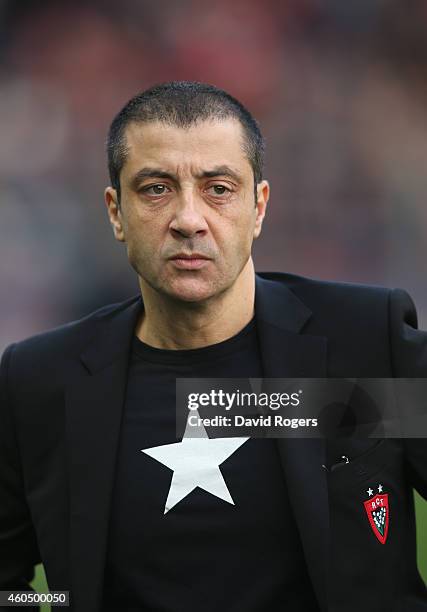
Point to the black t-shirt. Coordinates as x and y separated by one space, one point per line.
198 528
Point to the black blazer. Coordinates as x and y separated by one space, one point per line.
62 395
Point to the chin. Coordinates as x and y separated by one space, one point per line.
192 291
191 296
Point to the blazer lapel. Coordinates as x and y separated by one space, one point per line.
289 353
94 402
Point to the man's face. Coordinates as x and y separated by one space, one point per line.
187 212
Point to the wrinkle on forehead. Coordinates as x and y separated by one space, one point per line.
186 151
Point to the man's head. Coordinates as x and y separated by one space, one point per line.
183 160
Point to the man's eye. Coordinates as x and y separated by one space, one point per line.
219 190
155 190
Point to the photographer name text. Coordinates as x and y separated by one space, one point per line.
238 420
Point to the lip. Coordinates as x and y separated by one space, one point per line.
195 261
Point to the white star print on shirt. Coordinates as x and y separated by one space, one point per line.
195 463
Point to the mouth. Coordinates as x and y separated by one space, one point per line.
195 261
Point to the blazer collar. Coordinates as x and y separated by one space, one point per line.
278 306
279 314
281 318
113 335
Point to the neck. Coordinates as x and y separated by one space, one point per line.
170 324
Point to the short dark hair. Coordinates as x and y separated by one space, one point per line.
182 103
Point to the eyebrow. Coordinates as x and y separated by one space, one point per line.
145 173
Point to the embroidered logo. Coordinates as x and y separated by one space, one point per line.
378 513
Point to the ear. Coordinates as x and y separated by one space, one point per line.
263 193
114 213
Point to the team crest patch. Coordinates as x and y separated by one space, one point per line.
378 513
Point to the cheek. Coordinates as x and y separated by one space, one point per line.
141 245
236 245
242 231
144 234
234 227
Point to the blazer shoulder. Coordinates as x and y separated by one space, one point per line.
317 293
375 325
52 347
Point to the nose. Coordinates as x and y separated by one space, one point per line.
188 219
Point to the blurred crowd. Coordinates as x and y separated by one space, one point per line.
340 90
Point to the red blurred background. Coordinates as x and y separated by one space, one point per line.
340 90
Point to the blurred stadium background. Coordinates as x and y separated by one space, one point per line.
340 89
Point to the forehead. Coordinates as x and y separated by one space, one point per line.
202 145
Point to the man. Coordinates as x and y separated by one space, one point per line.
93 481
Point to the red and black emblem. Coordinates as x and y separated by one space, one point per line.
378 512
